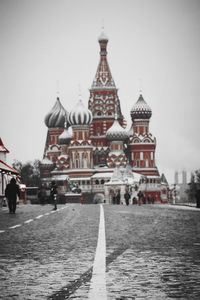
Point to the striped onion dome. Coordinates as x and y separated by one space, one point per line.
56 117
141 109
80 115
116 132
66 136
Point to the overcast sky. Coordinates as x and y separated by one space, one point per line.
153 45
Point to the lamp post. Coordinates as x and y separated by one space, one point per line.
174 198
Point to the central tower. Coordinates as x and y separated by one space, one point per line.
103 103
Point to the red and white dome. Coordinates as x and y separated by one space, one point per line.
141 110
116 132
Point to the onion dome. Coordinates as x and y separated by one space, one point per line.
80 115
116 132
141 109
56 117
66 136
47 162
103 37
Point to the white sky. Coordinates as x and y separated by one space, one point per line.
156 41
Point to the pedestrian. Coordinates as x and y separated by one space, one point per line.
140 197
197 196
127 197
114 199
134 200
118 197
53 194
11 192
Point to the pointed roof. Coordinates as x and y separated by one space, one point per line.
2 147
163 179
7 169
103 77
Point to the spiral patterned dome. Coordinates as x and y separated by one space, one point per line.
141 109
56 117
80 115
116 132
66 136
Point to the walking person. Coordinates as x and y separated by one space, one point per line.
11 192
127 197
118 197
53 193
140 197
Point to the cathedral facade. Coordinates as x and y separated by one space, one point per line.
86 145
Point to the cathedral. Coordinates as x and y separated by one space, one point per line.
91 148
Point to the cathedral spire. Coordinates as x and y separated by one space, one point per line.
103 77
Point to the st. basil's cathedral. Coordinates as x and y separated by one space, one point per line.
90 147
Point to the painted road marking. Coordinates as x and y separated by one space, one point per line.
31 220
40 216
15 226
28 221
98 281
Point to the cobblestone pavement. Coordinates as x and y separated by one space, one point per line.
153 252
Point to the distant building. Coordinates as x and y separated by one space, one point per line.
86 145
180 186
6 171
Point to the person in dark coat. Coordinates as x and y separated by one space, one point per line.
118 197
53 194
127 197
140 197
197 195
11 192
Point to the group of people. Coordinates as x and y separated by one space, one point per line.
12 192
140 199
116 198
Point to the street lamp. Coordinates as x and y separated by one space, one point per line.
175 193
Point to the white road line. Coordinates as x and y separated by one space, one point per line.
1 231
40 216
98 282
28 221
46 214
15 226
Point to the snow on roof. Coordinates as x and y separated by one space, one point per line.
60 177
136 176
2 147
102 175
79 178
7 169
